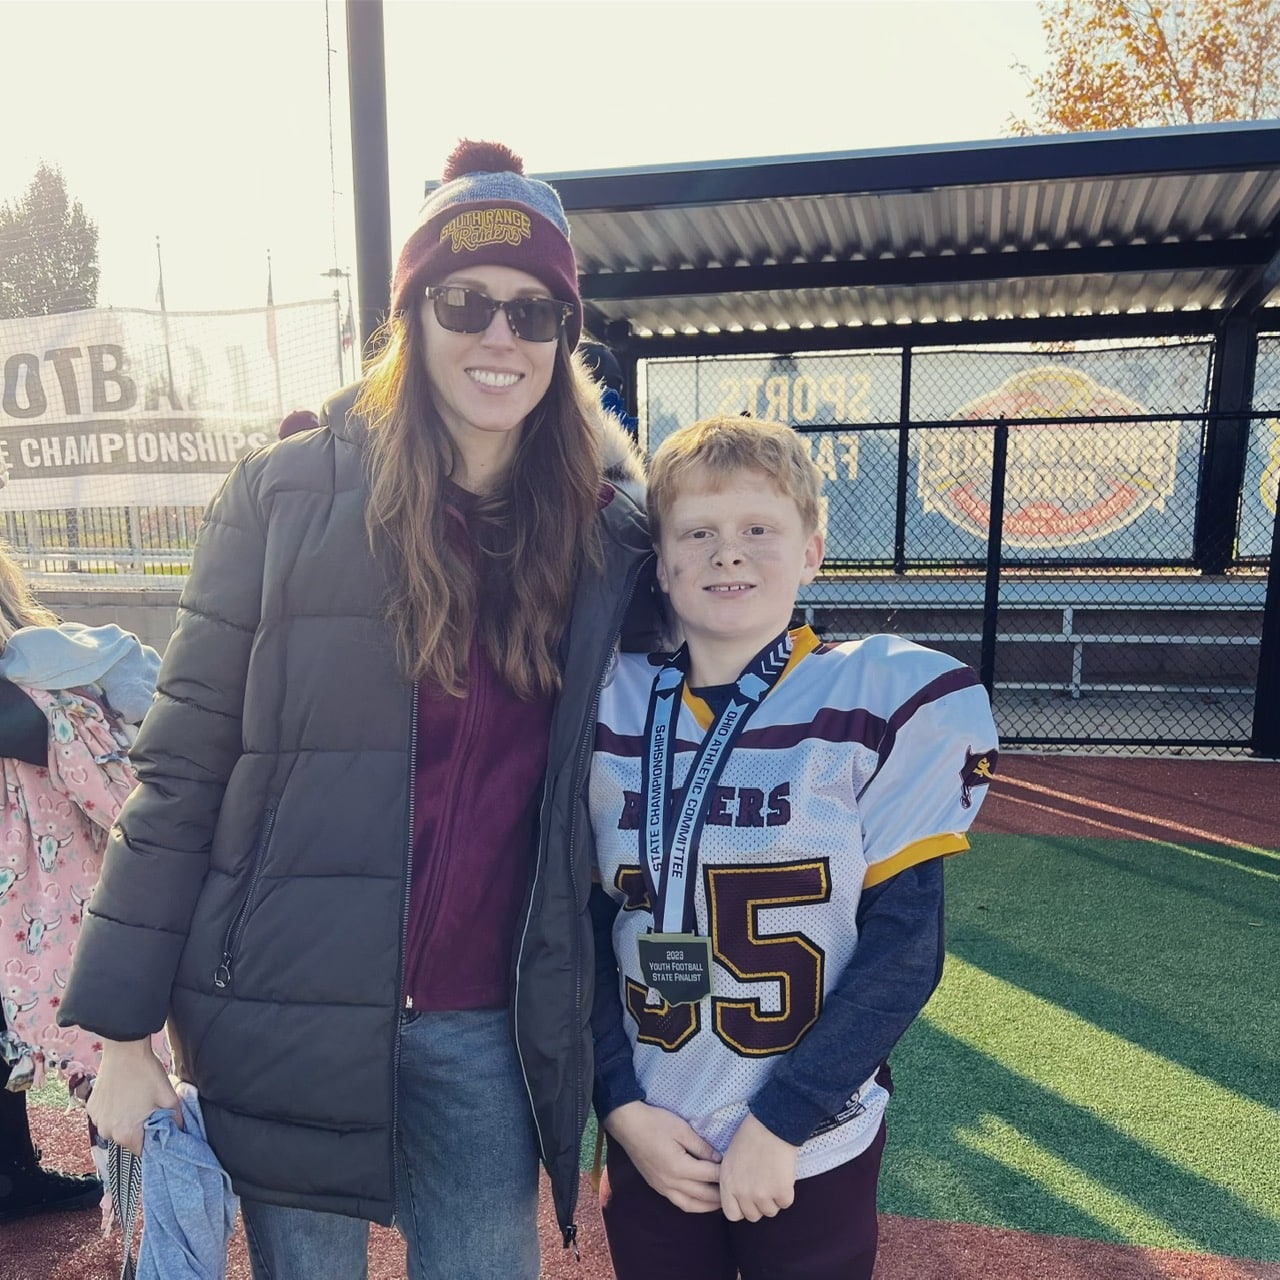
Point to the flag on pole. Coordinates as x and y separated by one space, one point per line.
159 277
272 338
164 312
348 330
273 347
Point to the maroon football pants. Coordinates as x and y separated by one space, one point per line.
829 1232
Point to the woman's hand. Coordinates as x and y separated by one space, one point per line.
131 1084
670 1156
759 1174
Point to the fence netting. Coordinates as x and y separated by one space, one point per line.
1122 600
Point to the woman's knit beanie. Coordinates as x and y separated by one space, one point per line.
486 211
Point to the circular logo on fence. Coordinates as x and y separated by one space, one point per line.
1065 484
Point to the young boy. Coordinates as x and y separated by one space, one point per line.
770 816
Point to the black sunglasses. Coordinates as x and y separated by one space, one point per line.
470 311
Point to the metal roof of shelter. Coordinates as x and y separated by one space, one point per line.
1126 232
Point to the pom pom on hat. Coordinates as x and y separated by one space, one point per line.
487 212
481 157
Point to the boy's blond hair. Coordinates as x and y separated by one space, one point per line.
726 445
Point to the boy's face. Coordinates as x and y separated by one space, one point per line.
732 558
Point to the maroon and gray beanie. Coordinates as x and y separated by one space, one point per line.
487 212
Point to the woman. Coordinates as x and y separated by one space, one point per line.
393 632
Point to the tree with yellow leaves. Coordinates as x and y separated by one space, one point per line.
1123 64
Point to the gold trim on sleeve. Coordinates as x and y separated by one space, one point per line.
940 846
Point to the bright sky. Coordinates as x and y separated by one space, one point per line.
206 122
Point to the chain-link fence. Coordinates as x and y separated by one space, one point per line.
1117 596
1048 516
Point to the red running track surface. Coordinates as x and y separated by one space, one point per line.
67 1246
1126 798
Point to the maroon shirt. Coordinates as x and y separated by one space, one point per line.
478 777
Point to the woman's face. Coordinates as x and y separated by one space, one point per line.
486 384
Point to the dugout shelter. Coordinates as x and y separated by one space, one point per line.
1042 376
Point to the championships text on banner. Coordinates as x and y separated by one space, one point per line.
125 408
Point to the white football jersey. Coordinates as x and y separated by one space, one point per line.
864 759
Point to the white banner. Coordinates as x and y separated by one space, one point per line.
130 408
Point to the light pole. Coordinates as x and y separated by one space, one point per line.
371 187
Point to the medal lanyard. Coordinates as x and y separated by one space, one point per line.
670 847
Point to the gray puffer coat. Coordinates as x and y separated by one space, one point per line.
255 890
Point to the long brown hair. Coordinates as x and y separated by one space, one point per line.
533 532
18 607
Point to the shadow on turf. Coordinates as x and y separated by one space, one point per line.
946 1088
1180 868
1169 952
1233 1066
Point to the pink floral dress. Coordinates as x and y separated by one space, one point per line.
53 830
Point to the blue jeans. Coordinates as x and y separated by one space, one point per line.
468 1168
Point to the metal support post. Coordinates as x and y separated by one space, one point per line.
1226 445
904 463
367 71
995 538
1265 740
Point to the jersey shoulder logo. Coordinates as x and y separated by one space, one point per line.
979 769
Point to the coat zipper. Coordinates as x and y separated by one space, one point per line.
222 974
402 1001
570 1232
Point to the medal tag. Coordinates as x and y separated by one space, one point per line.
676 965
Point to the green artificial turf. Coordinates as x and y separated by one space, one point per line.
1103 1056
